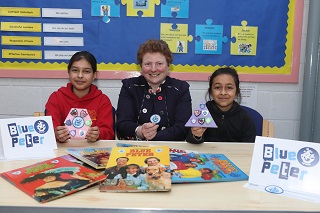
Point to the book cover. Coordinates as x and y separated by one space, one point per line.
95 157
138 169
199 167
80 162
51 179
171 150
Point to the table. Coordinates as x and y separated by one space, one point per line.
194 197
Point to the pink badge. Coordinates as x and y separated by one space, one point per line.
78 122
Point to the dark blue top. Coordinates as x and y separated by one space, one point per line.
136 105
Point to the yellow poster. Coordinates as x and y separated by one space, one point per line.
145 7
20 11
21 26
246 39
21 40
177 38
22 54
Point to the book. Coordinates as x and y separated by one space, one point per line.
192 166
203 167
130 145
52 179
138 169
171 150
95 157
80 162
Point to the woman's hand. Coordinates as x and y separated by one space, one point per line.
62 134
149 130
93 134
198 131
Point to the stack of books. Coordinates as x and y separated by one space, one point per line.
125 168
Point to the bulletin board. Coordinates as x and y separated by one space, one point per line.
261 39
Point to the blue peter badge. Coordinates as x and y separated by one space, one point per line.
155 118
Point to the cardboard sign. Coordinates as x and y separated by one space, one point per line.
23 138
286 167
201 117
78 122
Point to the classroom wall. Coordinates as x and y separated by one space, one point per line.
278 102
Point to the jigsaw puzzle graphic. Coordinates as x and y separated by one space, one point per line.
105 9
201 118
175 8
177 38
210 38
78 122
245 39
146 7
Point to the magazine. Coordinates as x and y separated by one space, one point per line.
192 166
138 169
80 162
171 150
51 179
95 157
199 167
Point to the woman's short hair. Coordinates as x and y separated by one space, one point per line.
155 46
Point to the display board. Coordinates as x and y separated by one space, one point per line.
261 39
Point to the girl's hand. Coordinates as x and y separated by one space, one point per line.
93 134
62 134
198 131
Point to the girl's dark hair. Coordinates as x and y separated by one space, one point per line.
155 46
124 175
229 71
84 55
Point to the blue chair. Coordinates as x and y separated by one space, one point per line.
256 117
263 127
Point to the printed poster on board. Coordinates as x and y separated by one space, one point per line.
30 137
286 167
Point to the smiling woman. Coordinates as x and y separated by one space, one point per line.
81 93
153 106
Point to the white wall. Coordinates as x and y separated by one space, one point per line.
277 102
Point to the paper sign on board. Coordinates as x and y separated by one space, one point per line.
23 138
286 167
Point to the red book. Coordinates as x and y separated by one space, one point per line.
52 179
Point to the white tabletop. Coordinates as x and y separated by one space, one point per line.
221 196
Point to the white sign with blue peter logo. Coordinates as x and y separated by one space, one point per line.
23 138
286 167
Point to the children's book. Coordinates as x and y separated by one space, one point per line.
52 179
138 169
192 166
80 162
95 157
171 150
199 167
